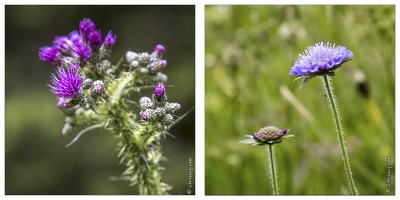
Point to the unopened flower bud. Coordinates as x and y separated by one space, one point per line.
160 112
167 120
145 102
67 129
269 134
147 114
159 49
172 107
130 56
97 89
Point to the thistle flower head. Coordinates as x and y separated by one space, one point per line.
86 26
50 54
63 44
61 103
321 59
109 41
67 85
159 49
76 38
82 52
267 135
159 91
94 39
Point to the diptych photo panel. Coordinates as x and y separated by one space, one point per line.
204 100
299 100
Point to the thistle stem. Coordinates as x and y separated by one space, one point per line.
340 135
272 170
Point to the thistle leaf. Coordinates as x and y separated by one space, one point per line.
84 131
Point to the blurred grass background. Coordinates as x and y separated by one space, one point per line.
36 159
249 52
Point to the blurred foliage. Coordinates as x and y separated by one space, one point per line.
36 159
249 52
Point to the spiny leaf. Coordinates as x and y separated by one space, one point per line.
84 131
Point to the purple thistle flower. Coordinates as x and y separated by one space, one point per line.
163 63
63 44
86 26
321 59
76 38
74 66
61 103
94 39
67 85
144 117
109 41
159 91
82 52
160 49
50 54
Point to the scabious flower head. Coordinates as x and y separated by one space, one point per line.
268 135
321 59
50 54
67 85
86 26
110 40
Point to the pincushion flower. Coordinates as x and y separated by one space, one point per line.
320 59
267 135
67 85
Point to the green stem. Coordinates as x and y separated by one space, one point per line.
336 118
273 171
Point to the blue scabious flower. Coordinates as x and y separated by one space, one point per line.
320 59
67 85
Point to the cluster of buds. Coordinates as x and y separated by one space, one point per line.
148 65
158 109
80 50
83 47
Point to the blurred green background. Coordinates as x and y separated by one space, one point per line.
36 159
249 52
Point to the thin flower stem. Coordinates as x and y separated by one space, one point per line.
340 135
273 171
